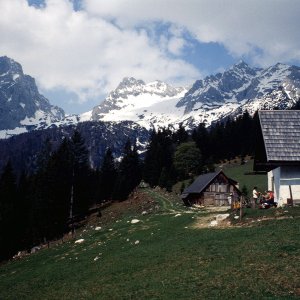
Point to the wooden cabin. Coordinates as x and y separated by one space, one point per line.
215 189
278 153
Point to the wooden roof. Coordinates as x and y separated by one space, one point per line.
202 181
281 135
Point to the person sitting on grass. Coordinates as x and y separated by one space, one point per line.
269 198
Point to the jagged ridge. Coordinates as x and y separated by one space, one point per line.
22 106
208 100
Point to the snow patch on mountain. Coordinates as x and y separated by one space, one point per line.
155 104
213 98
146 104
23 108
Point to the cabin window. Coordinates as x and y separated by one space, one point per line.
223 188
213 188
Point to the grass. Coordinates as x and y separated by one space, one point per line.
173 260
237 172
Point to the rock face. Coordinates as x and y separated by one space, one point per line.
215 97
143 103
23 149
155 104
21 104
241 83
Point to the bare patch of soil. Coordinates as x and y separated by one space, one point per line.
216 218
138 202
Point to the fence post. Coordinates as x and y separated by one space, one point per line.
241 207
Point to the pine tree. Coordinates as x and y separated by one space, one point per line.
59 178
80 189
201 138
167 179
181 135
129 173
152 166
8 195
108 175
22 212
159 155
49 189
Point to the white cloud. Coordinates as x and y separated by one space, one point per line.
82 53
88 52
242 27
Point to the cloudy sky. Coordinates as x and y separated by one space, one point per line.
80 50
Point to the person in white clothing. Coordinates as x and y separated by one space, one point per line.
255 195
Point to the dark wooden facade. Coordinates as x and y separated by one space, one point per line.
214 189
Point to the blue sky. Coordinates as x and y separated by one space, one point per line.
80 50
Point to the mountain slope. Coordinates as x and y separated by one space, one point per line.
155 104
136 101
22 106
23 149
168 254
213 98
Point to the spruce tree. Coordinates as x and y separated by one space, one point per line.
108 175
8 195
159 155
80 188
129 173
180 135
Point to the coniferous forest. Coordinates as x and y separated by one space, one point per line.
40 206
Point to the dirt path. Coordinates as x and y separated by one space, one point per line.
166 204
205 217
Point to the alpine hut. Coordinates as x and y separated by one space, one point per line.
215 189
278 153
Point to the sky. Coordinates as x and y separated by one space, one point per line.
78 51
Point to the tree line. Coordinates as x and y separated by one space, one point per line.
38 207
175 156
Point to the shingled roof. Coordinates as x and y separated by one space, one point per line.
202 181
281 134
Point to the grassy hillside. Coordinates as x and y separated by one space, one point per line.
169 254
237 172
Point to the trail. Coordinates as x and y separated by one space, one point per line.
165 203
204 216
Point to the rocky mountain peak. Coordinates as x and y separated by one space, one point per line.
129 83
241 65
135 95
22 106
10 68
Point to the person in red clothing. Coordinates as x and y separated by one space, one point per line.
269 197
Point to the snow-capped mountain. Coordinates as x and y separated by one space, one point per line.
22 107
215 97
143 103
155 104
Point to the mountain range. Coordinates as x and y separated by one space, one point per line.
133 108
22 107
155 104
213 98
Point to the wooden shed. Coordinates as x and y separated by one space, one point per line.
278 153
214 189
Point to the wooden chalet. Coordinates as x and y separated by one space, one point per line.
278 153
214 189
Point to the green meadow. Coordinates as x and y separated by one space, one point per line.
166 256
